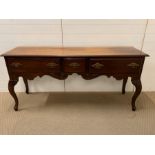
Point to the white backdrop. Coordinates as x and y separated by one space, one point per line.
137 33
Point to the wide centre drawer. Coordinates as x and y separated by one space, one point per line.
115 65
34 64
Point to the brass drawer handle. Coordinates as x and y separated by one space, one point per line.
74 64
97 65
16 64
52 65
133 65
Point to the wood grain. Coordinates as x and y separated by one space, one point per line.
75 52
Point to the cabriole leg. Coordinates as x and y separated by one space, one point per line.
26 85
137 83
124 85
11 86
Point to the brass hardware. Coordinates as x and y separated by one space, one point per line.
16 64
74 64
52 65
133 65
97 65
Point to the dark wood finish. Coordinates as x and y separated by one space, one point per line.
11 86
31 65
74 65
26 85
124 84
119 62
137 83
111 65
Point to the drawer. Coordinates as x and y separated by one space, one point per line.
115 65
74 65
33 64
53 64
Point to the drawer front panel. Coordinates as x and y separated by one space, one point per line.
33 64
117 65
74 65
52 65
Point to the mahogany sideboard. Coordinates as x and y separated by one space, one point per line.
119 62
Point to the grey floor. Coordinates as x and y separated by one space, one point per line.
77 113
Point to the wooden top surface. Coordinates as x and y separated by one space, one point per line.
74 52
